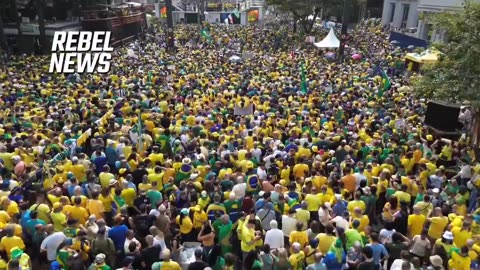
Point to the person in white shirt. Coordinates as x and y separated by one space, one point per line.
289 223
52 242
274 237
240 188
404 257
257 152
359 176
324 215
342 221
262 172
131 239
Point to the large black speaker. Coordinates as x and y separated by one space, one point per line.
443 116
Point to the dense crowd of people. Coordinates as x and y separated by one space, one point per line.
193 161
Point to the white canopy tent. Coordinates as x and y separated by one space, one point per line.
330 41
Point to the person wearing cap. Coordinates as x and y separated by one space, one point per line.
103 244
99 263
335 258
186 226
59 219
167 263
436 263
118 233
22 257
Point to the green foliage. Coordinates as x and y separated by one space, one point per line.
455 77
301 9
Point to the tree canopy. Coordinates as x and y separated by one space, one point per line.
455 77
302 9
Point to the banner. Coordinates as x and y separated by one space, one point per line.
243 111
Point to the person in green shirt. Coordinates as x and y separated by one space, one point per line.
215 260
225 234
154 195
99 263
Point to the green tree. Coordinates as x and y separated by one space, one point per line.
302 9
455 77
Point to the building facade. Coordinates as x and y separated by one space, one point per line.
400 14
411 14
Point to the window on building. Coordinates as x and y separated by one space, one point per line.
392 11
406 9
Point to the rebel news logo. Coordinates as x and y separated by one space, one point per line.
81 52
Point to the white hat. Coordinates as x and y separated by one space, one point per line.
154 212
436 261
436 190
74 159
186 161
448 235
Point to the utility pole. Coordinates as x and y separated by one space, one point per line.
170 35
344 32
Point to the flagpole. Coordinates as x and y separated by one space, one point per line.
139 131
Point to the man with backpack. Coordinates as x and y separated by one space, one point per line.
103 245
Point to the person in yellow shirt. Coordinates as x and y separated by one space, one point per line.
314 201
299 236
78 170
199 217
363 219
325 240
59 219
78 212
129 194
248 235
78 192
402 194
145 185
300 169
10 241
357 202
105 176
95 206
438 223
186 226
297 259
107 200
10 206
460 260
157 176
415 222
42 208
462 234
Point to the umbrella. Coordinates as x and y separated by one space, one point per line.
357 56
235 58
330 55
